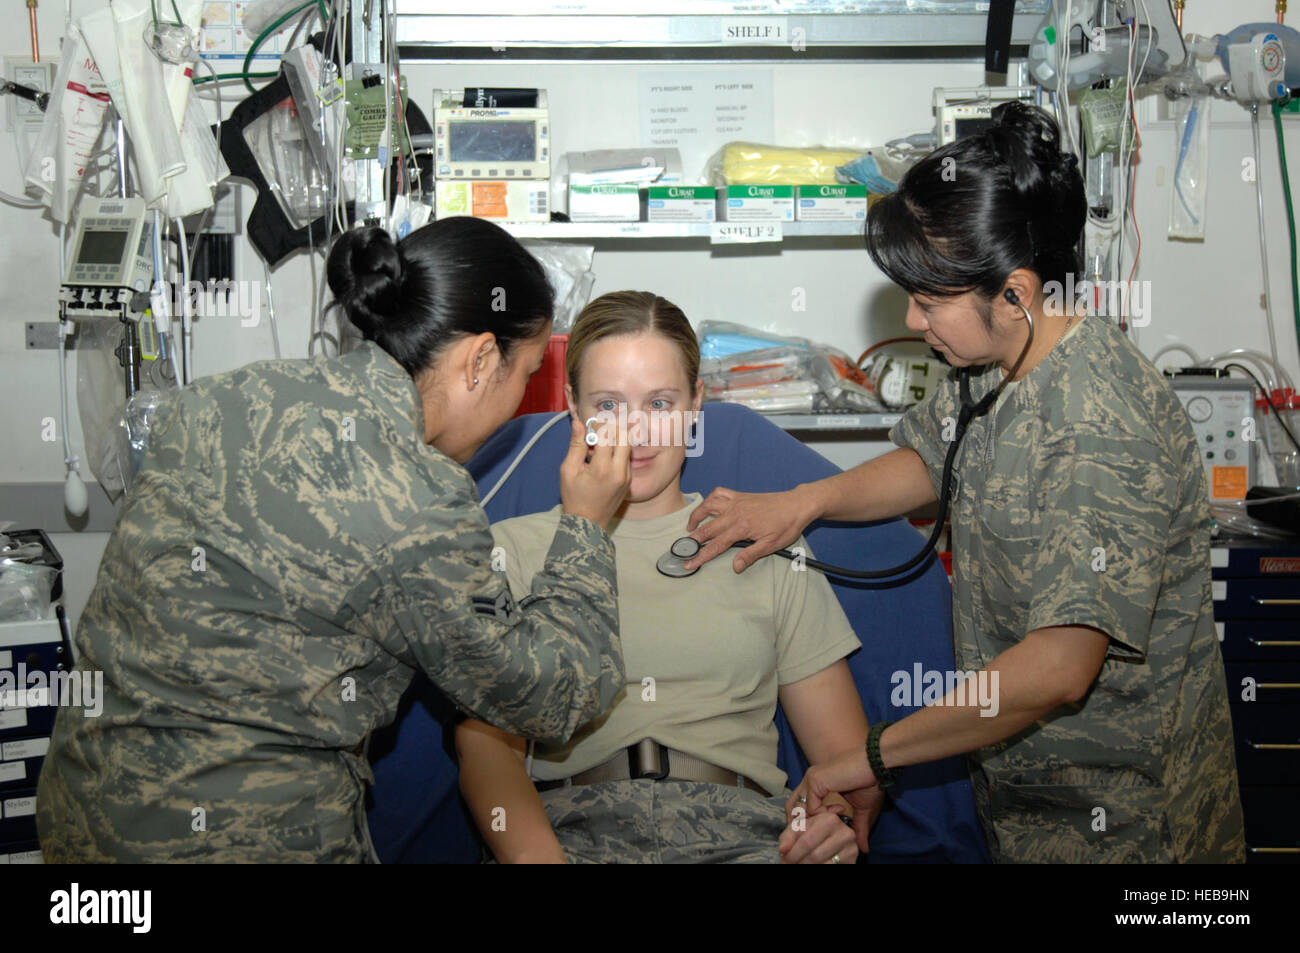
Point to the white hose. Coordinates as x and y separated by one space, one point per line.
1196 361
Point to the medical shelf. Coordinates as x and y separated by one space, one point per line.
426 31
635 230
831 421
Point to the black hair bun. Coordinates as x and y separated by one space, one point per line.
365 271
1028 140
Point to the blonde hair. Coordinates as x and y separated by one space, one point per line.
632 312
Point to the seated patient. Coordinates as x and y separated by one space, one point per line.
707 656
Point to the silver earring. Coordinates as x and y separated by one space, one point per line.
476 382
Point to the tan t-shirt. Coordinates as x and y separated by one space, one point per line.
704 655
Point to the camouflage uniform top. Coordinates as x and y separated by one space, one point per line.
1081 501
290 553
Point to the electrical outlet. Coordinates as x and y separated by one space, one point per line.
26 73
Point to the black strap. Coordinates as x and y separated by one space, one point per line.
997 39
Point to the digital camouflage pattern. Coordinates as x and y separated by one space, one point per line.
290 553
1082 501
665 822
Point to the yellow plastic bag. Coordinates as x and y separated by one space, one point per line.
750 163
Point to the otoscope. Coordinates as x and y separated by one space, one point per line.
671 563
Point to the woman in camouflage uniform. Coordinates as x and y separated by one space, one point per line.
1080 530
301 538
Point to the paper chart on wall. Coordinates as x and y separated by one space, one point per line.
699 111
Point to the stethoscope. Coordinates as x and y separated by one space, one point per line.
672 562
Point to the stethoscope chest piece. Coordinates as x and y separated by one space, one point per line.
671 562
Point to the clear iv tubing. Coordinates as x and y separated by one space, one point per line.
185 374
270 310
1263 247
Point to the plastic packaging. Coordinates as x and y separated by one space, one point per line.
279 143
1230 518
70 129
134 428
876 169
100 401
24 590
1286 458
753 368
781 397
1102 112
1191 172
32 546
569 269
723 339
259 14
843 386
750 163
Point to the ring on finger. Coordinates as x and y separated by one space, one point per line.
836 859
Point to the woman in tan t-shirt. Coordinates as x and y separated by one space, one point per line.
633 357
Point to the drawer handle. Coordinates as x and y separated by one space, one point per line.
1275 602
1272 746
1273 643
1274 850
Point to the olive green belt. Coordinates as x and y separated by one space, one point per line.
649 759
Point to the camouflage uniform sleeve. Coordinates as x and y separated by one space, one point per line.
539 668
1104 519
923 429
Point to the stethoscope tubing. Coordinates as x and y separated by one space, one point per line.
969 411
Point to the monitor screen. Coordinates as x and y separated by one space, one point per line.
505 140
102 248
973 126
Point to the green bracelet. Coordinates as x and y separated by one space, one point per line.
884 776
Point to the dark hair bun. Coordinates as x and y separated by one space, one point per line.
1028 140
365 271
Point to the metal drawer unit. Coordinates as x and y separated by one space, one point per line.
26 720
1257 613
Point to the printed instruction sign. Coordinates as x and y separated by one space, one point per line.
698 111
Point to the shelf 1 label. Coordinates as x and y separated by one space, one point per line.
755 31
745 233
